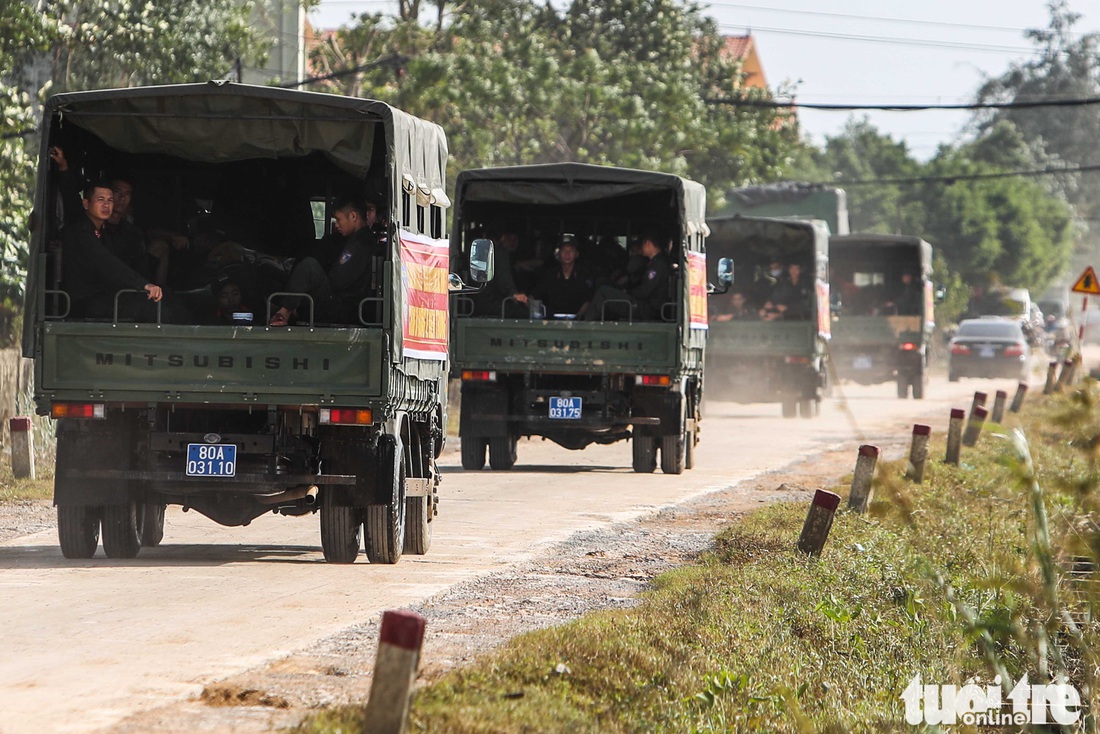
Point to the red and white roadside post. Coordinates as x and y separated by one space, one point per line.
394 672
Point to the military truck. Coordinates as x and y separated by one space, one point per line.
578 381
759 352
791 199
239 419
882 310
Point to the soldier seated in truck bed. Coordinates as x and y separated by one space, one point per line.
642 301
336 294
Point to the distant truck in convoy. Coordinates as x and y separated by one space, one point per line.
882 310
601 376
791 199
235 419
768 334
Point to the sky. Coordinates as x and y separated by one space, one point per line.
867 52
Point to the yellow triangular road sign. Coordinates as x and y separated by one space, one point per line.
1087 283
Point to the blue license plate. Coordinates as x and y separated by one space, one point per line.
211 460
565 408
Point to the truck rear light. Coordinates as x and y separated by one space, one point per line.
960 349
796 360
1014 350
653 380
346 416
479 375
77 410
907 346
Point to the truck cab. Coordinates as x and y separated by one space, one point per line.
220 412
611 372
768 334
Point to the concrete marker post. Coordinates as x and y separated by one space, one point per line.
1064 375
999 407
819 520
954 436
22 447
918 452
1052 375
1018 398
978 401
860 496
399 645
974 426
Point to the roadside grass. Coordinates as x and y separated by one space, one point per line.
968 575
17 490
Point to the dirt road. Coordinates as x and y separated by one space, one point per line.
87 644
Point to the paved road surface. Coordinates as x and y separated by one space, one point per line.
85 643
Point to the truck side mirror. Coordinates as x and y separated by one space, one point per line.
725 276
481 261
725 271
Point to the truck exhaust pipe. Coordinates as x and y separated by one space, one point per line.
309 494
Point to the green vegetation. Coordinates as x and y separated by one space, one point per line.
963 576
18 490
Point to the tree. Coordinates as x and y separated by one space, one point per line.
623 82
1067 66
862 154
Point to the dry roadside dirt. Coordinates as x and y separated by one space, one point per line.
590 571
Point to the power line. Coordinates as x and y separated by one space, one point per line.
772 104
852 16
896 40
950 179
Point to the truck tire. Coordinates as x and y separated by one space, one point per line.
644 449
790 408
918 383
385 523
689 446
122 525
672 454
78 530
152 530
502 452
341 532
418 510
473 452
418 525
903 386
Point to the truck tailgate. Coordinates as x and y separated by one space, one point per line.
761 338
208 364
565 346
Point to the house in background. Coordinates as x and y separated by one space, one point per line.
743 49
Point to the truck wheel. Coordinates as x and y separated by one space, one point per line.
122 526
903 387
418 525
473 452
385 523
645 453
918 386
672 454
78 530
790 408
418 510
152 531
952 377
502 452
341 532
808 407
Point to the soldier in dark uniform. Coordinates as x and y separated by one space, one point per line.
645 298
337 292
567 287
91 274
